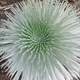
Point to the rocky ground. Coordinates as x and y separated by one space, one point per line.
4 6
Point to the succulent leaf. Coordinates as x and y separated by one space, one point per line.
42 41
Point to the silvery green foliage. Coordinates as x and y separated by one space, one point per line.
42 41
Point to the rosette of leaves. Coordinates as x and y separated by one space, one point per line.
41 41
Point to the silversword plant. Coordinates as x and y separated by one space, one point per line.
41 40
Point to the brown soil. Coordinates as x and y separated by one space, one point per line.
8 2
5 4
